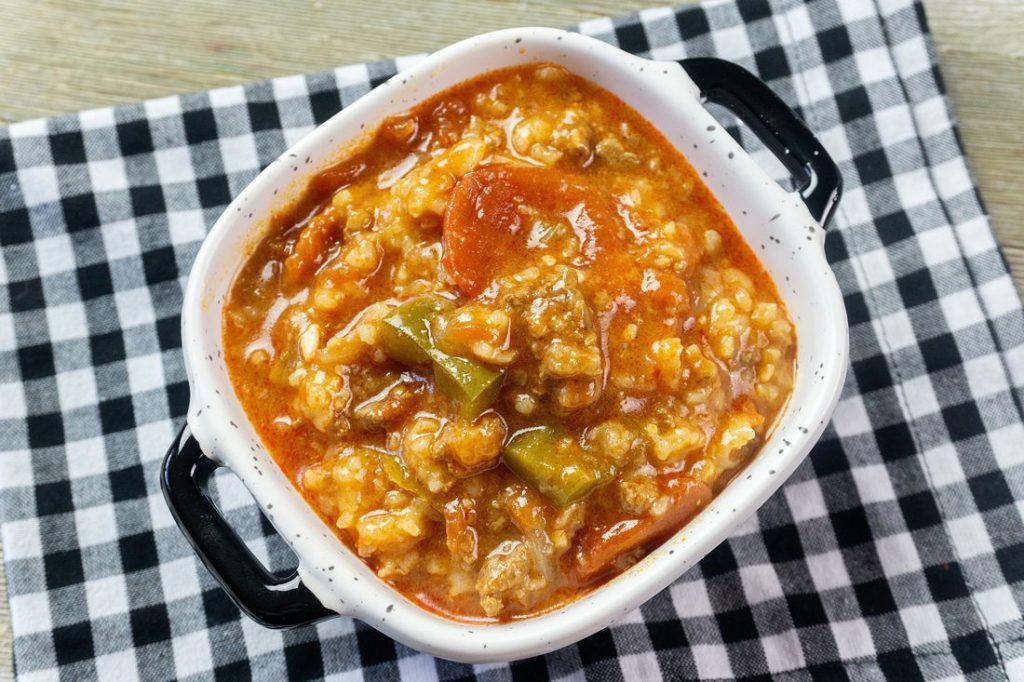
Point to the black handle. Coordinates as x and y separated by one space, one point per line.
273 601
744 94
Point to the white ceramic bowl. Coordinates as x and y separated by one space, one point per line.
777 224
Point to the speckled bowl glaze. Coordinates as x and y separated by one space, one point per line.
778 224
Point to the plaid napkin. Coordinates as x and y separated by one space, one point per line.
896 551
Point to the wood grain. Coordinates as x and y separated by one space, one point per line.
981 50
63 56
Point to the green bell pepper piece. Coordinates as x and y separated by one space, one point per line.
394 468
470 384
406 331
560 471
406 335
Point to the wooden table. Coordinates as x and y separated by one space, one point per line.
57 57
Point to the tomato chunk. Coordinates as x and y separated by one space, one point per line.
488 221
597 547
310 248
337 176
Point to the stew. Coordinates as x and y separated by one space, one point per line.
508 344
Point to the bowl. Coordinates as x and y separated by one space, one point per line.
785 228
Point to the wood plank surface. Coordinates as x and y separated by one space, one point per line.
63 56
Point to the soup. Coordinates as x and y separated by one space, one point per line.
508 344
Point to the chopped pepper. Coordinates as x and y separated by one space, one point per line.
395 469
406 331
555 466
472 385
406 335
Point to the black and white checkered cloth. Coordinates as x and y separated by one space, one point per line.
896 551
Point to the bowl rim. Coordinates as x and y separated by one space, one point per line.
386 609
